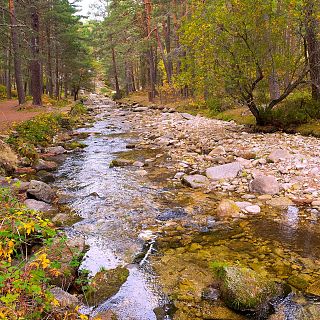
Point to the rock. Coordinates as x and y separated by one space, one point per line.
282 202
121 163
218 151
64 298
225 171
314 289
141 173
228 208
316 203
243 204
105 284
171 214
8 159
45 176
38 205
179 175
40 191
278 155
210 294
216 312
105 315
25 170
55 150
247 288
187 116
254 209
69 254
45 165
64 219
195 181
264 185
298 282
130 146
140 109
138 164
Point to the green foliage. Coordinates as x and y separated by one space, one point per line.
78 109
218 268
3 92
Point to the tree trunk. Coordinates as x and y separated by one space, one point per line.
57 73
313 46
49 63
35 67
8 74
16 55
115 73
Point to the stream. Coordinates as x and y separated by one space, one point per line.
120 208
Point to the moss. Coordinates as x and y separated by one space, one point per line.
75 145
297 282
244 289
105 284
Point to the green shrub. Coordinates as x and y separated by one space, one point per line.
78 109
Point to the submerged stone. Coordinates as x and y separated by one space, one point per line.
106 284
244 289
228 208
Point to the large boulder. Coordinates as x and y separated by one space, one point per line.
228 209
64 298
195 181
244 289
225 171
38 205
56 150
105 284
40 191
264 185
278 155
8 159
45 165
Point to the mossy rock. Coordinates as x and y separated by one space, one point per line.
75 145
314 289
121 163
244 289
216 312
105 284
298 282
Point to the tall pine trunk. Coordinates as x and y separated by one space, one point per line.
16 55
313 46
35 66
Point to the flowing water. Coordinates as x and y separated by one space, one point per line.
117 206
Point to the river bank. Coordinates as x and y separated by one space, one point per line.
170 197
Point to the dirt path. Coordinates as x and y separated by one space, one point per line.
10 113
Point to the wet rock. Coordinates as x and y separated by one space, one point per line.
254 209
278 155
298 282
38 205
56 150
138 164
130 146
195 181
45 176
216 312
141 173
45 165
210 294
140 109
25 170
171 214
105 284
40 191
314 289
179 175
225 171
75 145
64 298
282 202
228 208
121 163
69 253
244 289
264 185
105 315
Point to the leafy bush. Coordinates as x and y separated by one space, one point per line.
24 277
3 92
78 109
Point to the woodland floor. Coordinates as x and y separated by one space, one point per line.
11 113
